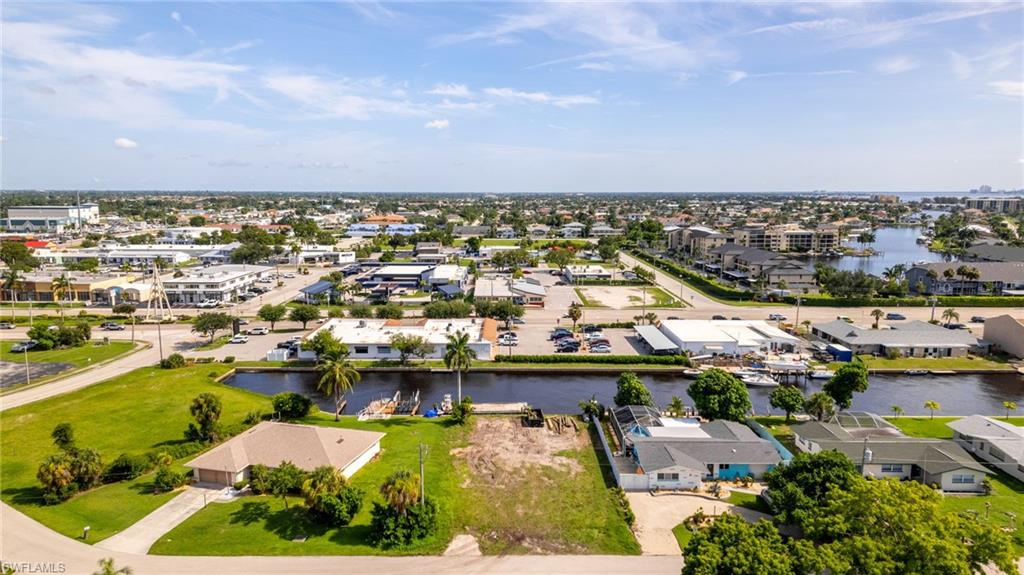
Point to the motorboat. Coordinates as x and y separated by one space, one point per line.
760 381
786 365
821 374
691 372
916 372
741 373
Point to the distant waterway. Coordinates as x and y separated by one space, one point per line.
561 393
896 246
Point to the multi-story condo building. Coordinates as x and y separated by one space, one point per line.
999 205
218 283
696 240
788 238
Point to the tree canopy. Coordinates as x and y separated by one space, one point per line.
849 378
717 394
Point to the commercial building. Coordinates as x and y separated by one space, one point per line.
586 272
50 218
1000 205
371 338
217 283
998 443
272 443
1006 334
724 337
92 288
879 450
521 291
994 278
909 339
667 453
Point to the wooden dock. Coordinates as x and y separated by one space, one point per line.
514 408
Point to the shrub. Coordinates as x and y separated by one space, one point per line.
462 411
622 504
173 361
253 417
447 309
259 479
229 359
167 479
360 311
126 467
239 485
183 449
291 405
389 528
338 509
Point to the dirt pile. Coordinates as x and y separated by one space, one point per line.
501 449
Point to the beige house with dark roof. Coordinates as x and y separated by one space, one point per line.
272 443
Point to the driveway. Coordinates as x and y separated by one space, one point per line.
657 515
144 533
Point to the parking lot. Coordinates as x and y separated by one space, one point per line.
534 340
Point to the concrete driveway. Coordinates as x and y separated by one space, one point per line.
657 515
144 533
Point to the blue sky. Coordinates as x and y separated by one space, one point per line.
494 97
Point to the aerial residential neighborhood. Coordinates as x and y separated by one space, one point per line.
512 287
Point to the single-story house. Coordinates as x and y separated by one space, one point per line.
909 339
726 337
272 443
878 449
998 443
586 272
669 453
996 278
371 338
1006 334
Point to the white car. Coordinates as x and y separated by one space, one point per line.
207 304
259 331
289 275
508 341
239 339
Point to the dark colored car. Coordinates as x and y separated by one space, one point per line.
590 328
891 316
718 317
977 319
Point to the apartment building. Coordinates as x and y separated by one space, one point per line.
788 238
998 205
696 240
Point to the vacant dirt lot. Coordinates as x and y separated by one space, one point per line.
501 450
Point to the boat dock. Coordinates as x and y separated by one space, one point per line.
408 406
514 408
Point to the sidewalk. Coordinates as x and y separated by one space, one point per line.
144 533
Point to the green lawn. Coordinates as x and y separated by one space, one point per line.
656 298
924 426
937 363
750 501
91 353
778 427
138 412
683 534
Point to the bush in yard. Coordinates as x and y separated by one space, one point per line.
291 405
253 417
622 503
229 359
55 475
390 528
389 310
718 394
462 411
259 479
173 361
206 409
330 498
360 311
167 479
126 467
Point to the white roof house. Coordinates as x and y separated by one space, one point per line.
371 338
729 337
998 443
448 274
586 272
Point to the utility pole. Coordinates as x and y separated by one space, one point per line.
28 372
796 322
934 301
865 458
423 483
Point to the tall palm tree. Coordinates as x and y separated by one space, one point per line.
337 376
897 411
877 314
950 314
972 274
12 278
961 272
932 406
1009 406
59 287
459 356
401 490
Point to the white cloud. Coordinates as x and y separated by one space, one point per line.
734 76
443 124
597 66
447 104
125 143
561 101
451 90
896 65
961 65
1007 88
823 24
176 16
340 98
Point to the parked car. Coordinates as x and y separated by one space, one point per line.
844 318
629 276
284 344
559 331
977 319
24 346
259 331
591 329
239 339
112 326
600 349
956 326
243 322
776 317
207 304
594 336
736 318
289 275
508 341
518 321
567 349
718 317
892 316
672 317
6 325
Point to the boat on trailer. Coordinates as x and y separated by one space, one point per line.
381 408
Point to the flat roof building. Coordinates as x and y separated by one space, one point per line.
218 283
910 339
371 338
725 337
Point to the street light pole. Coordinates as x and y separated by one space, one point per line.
160 338
28 372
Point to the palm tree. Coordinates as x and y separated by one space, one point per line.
337 376
651 317
932 406
897 411
1009 406
11 279
401 490
972 274
107 567
459 356
950 314
877 314
961 272
575 313
59 287
948 274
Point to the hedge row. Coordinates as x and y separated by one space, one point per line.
636 282
680 360
694 279
918 301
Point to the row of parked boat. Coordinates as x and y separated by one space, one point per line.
766 375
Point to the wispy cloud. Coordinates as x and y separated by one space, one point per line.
125 143
451 90
440 125
819 25
598 66
1008 88
734 76
176 16
561 101
896 65
340 98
